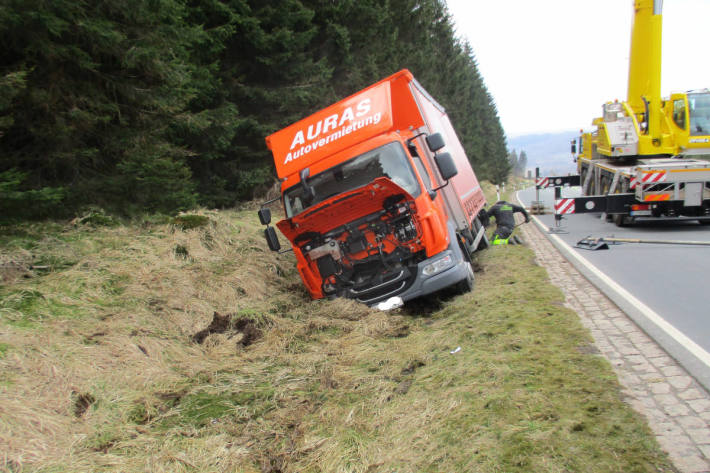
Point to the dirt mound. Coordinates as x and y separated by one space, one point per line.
230 323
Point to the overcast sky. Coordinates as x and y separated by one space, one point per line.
551 64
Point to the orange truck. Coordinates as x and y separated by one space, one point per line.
381 203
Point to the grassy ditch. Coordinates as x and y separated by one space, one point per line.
186 346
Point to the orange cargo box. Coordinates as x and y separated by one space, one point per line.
382 107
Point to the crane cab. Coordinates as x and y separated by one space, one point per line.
688 115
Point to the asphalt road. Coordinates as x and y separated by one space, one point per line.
672 280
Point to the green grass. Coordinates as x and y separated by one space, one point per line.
328 385
519 396
189 221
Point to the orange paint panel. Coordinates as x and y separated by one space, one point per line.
331 130
690 170
311 280
656 197
435 236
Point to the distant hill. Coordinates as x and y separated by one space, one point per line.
548 151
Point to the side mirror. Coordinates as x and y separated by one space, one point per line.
446 165
271 239
435 142
309 193
264 216
573 145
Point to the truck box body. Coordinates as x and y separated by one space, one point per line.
372 217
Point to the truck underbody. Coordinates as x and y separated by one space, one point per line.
635 190
645 189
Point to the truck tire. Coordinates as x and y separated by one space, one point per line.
478 226
622 220
466 284
484 243
584 170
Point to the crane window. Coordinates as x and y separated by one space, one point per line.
699 108
679 113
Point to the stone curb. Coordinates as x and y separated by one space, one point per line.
676 406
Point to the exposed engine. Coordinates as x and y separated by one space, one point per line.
370 256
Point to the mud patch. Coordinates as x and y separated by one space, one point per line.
228 323
422 306
403 387
413 366
171 398
250 332
219 324
82 401
93 339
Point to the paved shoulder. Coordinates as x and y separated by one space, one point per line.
676 406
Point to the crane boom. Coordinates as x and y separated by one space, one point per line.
644 88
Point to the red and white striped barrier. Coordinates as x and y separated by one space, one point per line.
652 177
542 182
564 206
649 177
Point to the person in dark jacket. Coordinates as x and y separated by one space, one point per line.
504 212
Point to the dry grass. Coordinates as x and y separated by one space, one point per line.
100 370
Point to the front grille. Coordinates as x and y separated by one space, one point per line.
383 287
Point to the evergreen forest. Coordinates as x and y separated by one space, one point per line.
163 105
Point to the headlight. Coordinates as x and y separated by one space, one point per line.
437 266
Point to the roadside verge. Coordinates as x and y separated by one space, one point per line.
676 405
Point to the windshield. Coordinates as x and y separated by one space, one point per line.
699 113
386 161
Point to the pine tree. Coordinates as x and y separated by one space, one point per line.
513 159
102 82
153 106
522 164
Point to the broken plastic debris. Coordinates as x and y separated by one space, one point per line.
458 349
391 303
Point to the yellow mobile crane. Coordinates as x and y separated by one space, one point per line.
643 161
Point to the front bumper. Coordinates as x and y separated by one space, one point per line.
424 285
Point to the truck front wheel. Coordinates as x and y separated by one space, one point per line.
466 284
